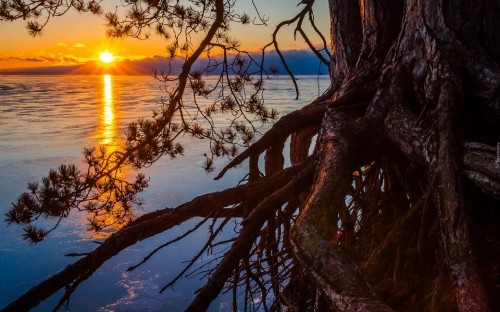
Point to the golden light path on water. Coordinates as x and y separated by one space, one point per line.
108 139
108 120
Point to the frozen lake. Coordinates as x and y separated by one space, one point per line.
46 121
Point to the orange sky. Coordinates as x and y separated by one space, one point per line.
77 38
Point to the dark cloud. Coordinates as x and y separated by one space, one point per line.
68 59
27 59
50 58
33 59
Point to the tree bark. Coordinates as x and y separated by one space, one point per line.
414 48
331 269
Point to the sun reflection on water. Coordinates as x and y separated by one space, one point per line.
107 138
108 120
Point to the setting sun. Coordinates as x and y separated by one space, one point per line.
106 57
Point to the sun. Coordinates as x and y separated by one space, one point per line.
106 57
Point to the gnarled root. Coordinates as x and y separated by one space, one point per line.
333 272
455 236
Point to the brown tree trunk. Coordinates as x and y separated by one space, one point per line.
433 63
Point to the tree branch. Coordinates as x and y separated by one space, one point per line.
286 125
247 236
151 224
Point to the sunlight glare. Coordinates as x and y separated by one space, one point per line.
106 57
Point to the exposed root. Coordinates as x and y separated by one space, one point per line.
246 238
455 235
331 269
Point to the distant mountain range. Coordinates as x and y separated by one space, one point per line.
300 62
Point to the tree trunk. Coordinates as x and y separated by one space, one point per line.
435 68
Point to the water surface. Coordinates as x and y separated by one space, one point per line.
46 121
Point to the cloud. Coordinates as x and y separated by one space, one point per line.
70 59
33 59
61 44
50 58
79 45
60 58
23 59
